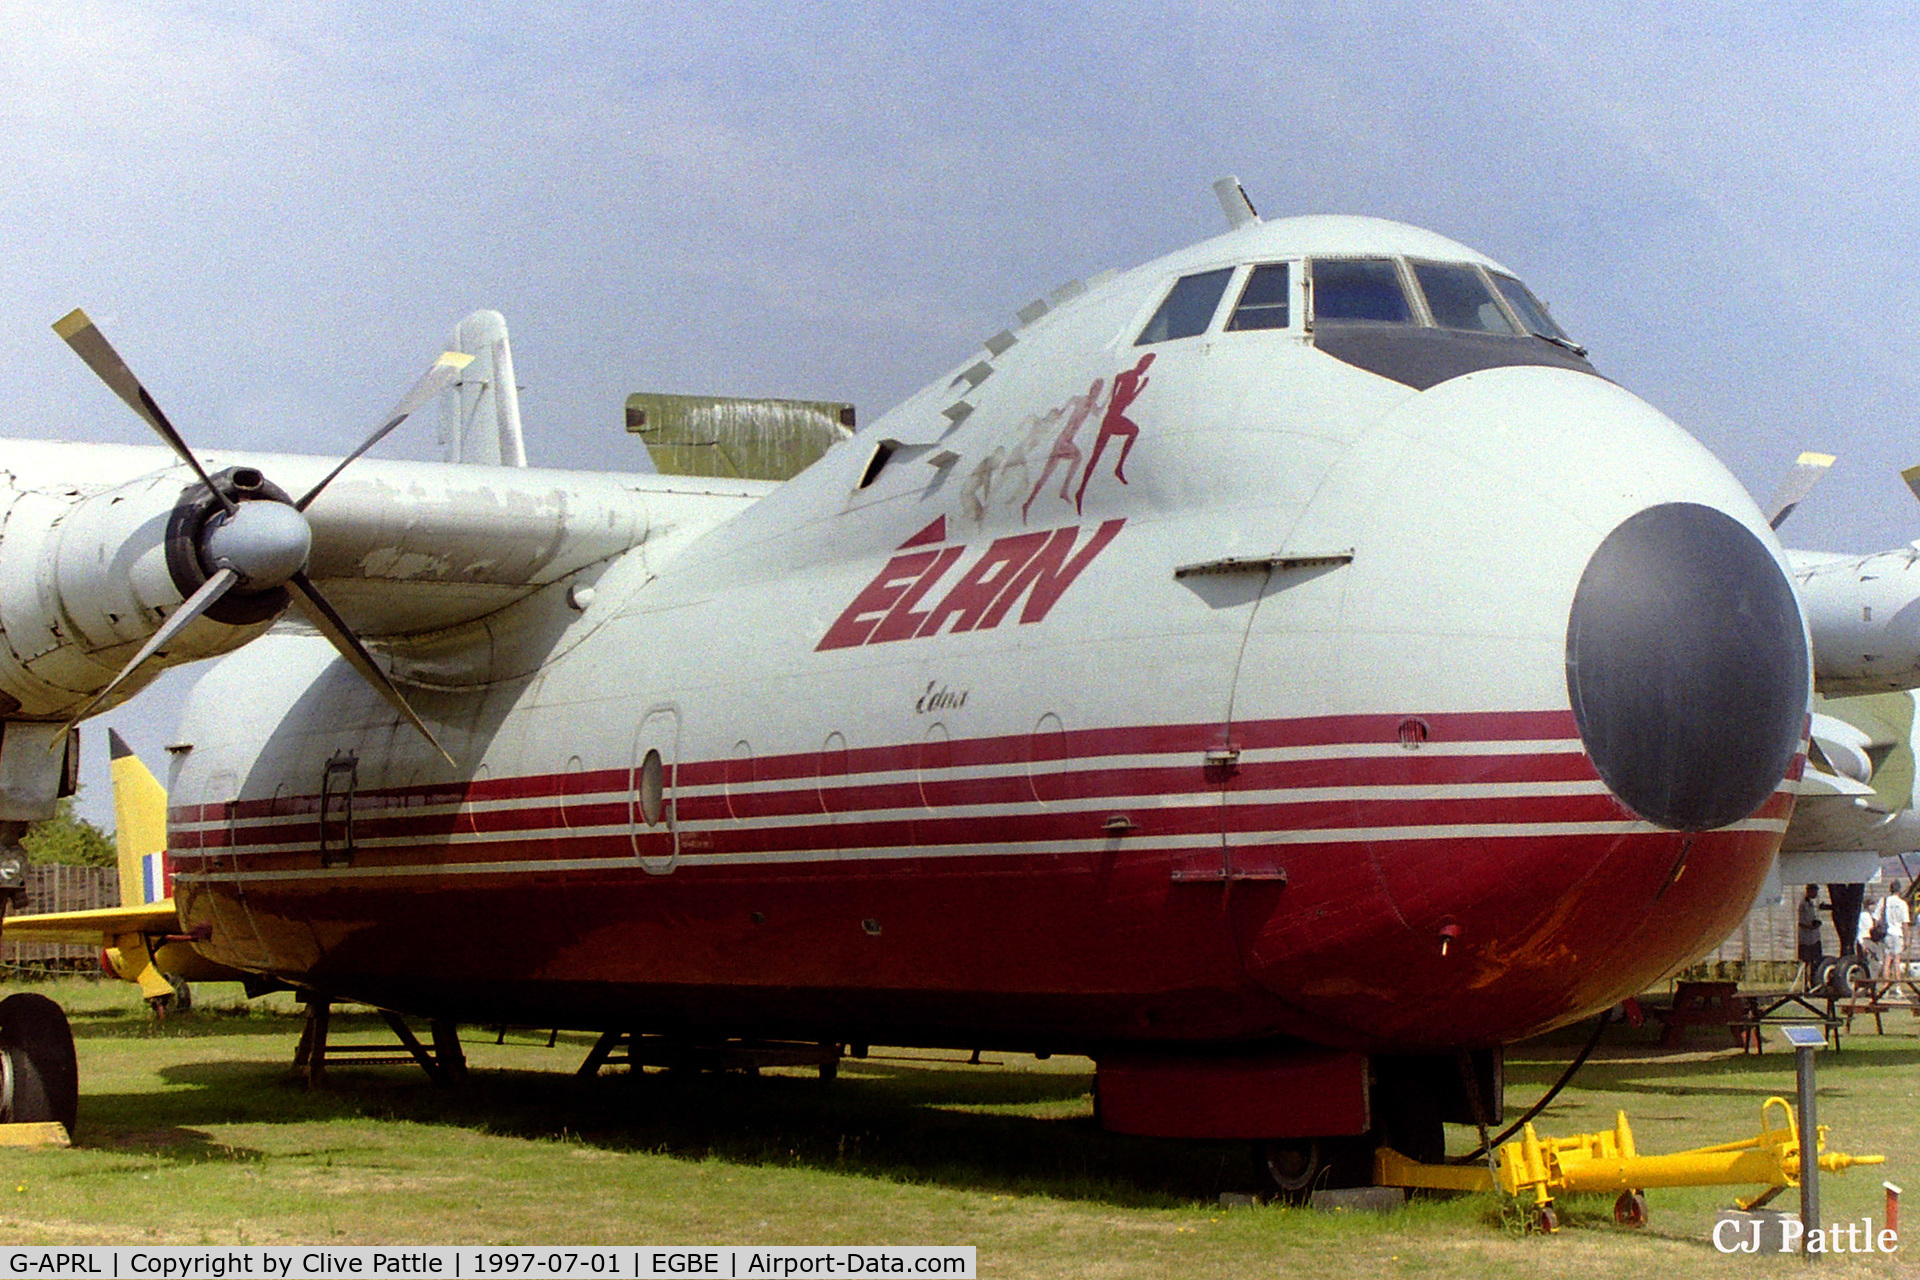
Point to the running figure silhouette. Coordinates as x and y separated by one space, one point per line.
1126 389
1064 449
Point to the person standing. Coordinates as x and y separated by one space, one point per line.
1811 951
1896 915
1867 937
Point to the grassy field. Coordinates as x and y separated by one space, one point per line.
191 1133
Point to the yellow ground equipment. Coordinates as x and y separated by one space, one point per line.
1542 1168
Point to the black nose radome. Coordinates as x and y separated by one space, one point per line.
1687 667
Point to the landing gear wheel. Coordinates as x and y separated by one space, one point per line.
39 1076
1820 978
1630 1210
1549 1220
1851 976
1290 1167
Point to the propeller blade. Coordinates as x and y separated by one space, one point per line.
435 380
331 625
1798 483
192 607
80 333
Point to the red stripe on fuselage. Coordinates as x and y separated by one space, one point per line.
910 814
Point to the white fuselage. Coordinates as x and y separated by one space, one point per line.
1279 740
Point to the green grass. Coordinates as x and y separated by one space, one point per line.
191 1132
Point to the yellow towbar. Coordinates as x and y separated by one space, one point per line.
1608 1161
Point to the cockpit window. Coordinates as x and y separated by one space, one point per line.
1528 308
1263 303
1459 298
1359 289
1188 309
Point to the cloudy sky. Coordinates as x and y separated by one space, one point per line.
277 210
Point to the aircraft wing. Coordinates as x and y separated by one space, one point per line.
141 941
99 927
141 944
146 557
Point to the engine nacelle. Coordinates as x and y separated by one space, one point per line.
1864 613
91 577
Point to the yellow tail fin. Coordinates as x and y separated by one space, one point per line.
140 819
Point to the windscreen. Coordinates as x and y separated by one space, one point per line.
1188 308
1263 303
1359 289
1532 314
1459 298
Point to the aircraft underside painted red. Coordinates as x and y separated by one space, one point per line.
1273 671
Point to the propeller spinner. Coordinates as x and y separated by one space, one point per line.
259 540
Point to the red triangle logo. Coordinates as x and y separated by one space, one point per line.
931 535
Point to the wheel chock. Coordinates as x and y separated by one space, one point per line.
45 1133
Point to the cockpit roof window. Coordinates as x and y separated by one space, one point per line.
1188 308
1532 314
1359 289
1458 298
1263 302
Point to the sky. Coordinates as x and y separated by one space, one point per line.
277 211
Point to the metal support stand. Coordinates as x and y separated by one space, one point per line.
636 1051
597 1056
310 1056
445 1063
447 1050
1804 1041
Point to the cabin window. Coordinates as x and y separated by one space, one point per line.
1459 298
652 788
1359 289
1263 303
1529 308
1188 309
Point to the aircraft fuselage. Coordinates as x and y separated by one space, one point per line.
1364 683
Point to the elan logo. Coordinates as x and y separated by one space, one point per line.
1031 570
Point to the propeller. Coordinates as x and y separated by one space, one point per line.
78 331
1912 476
1807 471
260 544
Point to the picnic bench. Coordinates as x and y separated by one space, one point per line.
1780 1008
1700 1004
1880 996
1720 1003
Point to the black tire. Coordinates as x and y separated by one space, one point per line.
1849 976
1630 1210
1820 977
43 1071
1290 1168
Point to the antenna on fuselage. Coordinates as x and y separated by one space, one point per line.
1234 203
